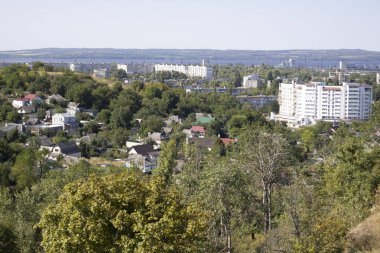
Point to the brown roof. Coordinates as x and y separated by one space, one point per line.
203 142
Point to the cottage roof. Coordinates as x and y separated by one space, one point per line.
46 142
68 148
203 142
205 120
198 129
10 126
144 149
156 136
32 121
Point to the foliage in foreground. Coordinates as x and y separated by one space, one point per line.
124 212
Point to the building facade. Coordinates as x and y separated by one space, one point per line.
64 119
252 81
258 101
191 70
133 67
304 104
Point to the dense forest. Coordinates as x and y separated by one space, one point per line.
274 189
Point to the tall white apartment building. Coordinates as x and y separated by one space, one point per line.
304 104
190 71
378 78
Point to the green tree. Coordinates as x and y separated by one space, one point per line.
120 74
29 166
151 124
167 161
7 240
225 190
13 117
124 212
121 118
351 177
104 116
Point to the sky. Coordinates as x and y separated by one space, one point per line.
191 24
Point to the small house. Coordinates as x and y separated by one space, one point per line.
198 130
70 149
144 149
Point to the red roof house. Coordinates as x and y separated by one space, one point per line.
198 130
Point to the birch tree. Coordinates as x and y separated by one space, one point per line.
264 155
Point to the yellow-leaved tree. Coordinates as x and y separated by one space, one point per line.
125 212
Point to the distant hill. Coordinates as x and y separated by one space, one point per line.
173 55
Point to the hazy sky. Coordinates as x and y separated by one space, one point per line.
216 24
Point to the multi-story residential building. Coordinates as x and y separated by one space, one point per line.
339 75
191 70
257 102
378 78
304 104
253 81
133 67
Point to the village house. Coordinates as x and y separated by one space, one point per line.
203 119
32 121
91 112
27 109
73 108
20 102
173 119
146 163
33 99
67 120
143 157
143 149
8 127
69 149
46 143
198 131
205 143
157 137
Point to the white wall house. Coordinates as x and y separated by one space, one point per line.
304 104
65 120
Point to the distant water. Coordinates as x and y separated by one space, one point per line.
308 63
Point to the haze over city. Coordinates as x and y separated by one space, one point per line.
197 126
212 24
